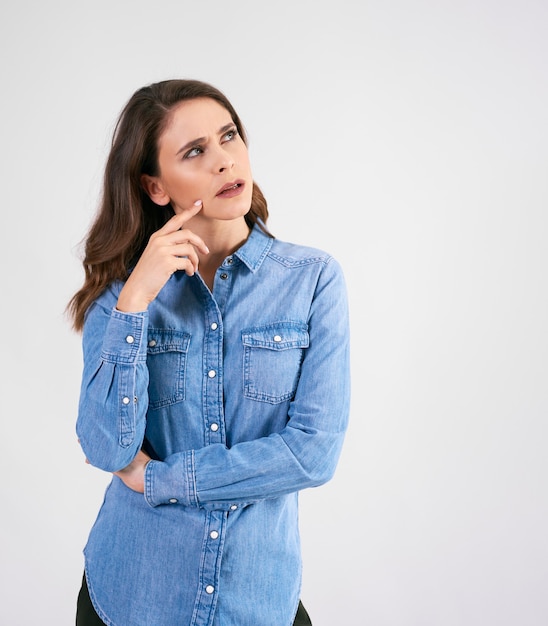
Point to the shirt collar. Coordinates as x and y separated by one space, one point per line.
255 249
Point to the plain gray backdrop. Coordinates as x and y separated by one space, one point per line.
409 139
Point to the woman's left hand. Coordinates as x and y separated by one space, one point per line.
133 476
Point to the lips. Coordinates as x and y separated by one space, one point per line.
231 189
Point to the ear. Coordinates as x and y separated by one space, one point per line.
154 189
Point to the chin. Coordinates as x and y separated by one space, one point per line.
232 210
236 214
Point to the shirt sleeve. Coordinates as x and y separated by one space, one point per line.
113 397
304 454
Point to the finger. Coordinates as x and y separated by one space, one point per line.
177 221
187 237
191 211
186 252
160 240
187 264
174 228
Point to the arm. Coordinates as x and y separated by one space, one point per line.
304 454
114 397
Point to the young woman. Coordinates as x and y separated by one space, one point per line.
216 376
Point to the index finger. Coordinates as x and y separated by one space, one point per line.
191 211
178 220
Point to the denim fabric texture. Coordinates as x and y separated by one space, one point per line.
87 616
241 396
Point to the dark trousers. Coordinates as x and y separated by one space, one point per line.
86 615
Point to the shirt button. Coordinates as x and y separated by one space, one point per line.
125 400
214 534
214 427
233 507
210 589
277 338
214 326
212 373
152 343
230 260
173 500
130 339
224 276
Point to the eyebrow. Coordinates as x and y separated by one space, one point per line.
199 140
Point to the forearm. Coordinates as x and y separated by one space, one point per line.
218 477
113 400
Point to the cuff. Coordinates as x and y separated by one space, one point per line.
125 337
171 481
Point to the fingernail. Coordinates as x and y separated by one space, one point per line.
197 203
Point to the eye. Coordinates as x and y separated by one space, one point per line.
230 135
193 152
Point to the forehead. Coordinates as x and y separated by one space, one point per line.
195 118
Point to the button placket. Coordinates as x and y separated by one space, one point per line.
210 567
227 263
213 423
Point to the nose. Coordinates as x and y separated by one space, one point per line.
224 161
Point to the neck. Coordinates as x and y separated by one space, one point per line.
222 238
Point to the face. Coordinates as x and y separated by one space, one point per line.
201 156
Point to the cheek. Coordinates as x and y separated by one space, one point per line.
241 155
245 159
184 191
188 183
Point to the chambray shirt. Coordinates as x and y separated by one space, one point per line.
241 396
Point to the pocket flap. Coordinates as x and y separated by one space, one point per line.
277 336
167 340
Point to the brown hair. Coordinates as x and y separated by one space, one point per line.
127 217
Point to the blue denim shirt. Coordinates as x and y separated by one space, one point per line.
241 396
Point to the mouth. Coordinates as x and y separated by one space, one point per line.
231 189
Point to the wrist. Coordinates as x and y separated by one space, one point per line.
131 304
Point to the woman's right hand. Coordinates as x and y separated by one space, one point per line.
169 249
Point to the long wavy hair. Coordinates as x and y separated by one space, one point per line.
127 217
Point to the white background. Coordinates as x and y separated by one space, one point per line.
407 138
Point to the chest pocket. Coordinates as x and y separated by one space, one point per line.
166 360
272 360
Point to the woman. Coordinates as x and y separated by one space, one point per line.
216 376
